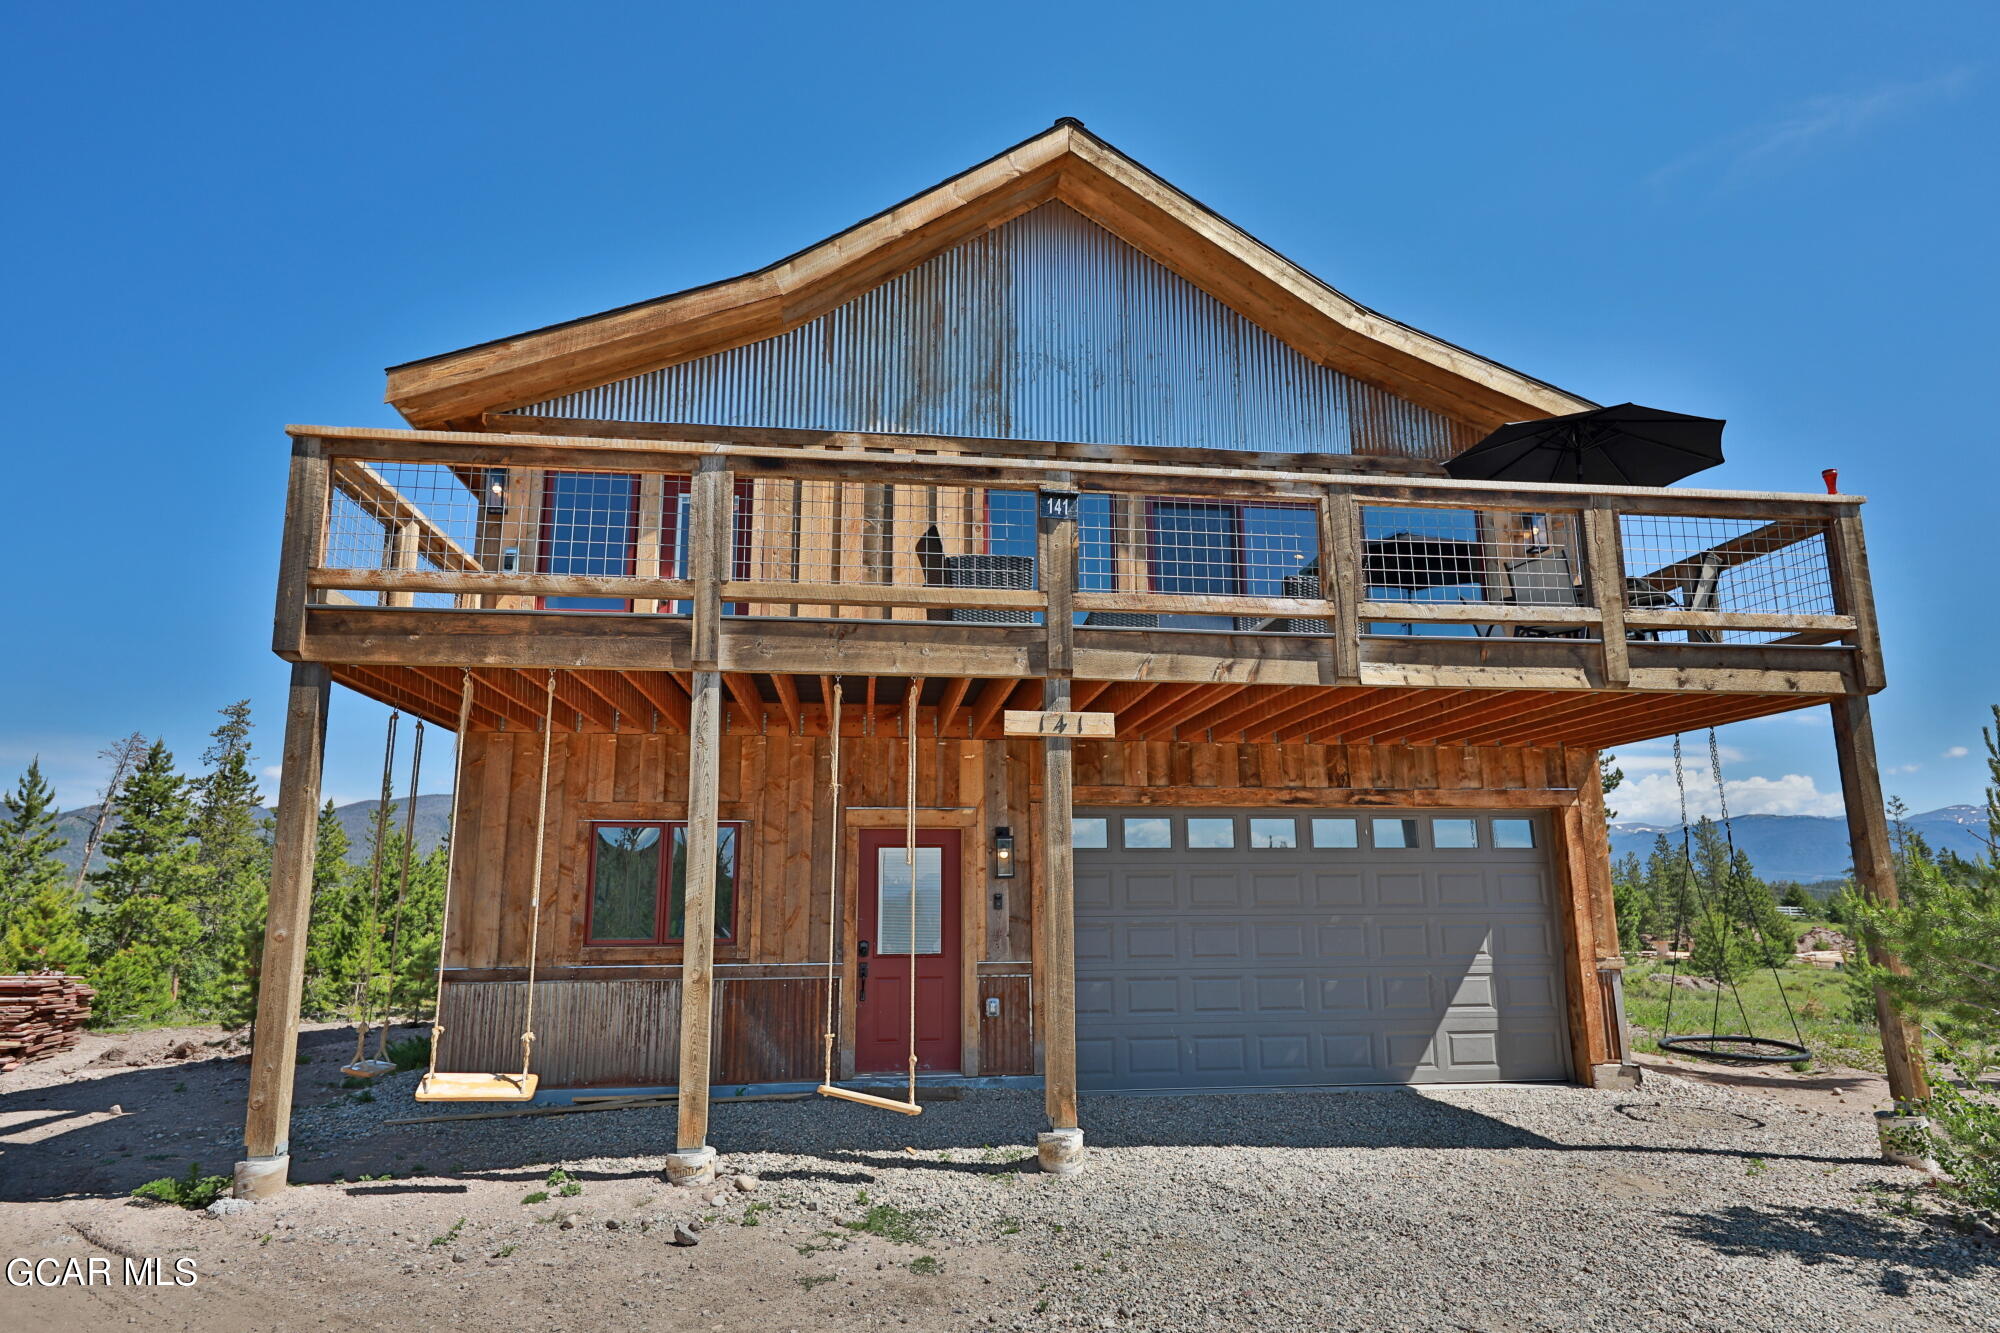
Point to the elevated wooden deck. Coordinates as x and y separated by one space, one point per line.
1575 616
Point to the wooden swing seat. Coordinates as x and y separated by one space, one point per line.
478 1087
867 1099
368 1068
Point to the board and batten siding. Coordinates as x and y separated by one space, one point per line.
597 1000
1047 327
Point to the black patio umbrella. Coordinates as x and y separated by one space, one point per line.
1626 445
1405 560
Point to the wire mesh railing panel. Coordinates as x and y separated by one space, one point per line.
1185 546
1425 555
1687 562
870 536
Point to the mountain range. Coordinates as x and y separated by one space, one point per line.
1813 848
1807 848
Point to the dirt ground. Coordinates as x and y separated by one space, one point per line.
1241 1212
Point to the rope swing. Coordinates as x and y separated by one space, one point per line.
826 1087
1723 919
361 1066
457 1087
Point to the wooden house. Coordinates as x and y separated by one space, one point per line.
1048 438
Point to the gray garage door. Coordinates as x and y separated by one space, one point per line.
1221 948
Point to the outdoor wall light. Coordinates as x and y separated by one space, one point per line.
1003 852
496 490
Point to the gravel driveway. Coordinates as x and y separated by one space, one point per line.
1474 1208
1680 1206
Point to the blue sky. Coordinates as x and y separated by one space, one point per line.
225 218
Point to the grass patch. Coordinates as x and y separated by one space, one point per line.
1823 1001
409 1053
926 1265
449 1236
811 1280
890 1223
539 1196
193 1190
754 1215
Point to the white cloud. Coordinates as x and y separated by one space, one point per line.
1652 799
1811 125
1902 768
1956 752
1694 760
272 771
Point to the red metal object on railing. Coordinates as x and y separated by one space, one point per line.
1831 476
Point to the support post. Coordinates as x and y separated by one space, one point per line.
1875 869
711 548
1340 559
1062 1150
281 977
1604 557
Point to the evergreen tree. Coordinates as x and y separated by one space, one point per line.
1670 891
1794 894
1769 936
29 842
335 924
45 933
1610 777
1632 900
142 926
234 854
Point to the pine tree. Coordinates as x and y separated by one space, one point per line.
1632 902
1769 937
142 926
234 853
45 933
334 929
1670 890
1794 894
29 842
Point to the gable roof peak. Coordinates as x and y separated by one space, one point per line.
1065 162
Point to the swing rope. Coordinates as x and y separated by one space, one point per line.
1734 898
360 1066
826 1087
832 889
402 889
450 861
910 860
541 843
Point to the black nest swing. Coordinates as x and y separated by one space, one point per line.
1745 1047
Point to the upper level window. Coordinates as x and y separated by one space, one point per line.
638 881
590 524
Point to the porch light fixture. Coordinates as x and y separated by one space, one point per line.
496 490
1003 852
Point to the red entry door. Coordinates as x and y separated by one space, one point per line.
882 1019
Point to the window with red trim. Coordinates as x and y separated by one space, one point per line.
638 881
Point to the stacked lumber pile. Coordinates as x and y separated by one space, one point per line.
40 1015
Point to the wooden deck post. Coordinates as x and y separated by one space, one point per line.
1875 869
711 551
1061 1149
273 1059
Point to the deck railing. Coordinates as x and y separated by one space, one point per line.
563 525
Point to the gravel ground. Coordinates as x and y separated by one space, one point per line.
1475 1208
1684 1205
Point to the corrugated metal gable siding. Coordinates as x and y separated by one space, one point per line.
1045 328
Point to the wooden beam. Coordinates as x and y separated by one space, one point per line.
974 462
1854 594
992 698
711 548
744 692
1875 868
1604 558
1340 563
281 973
1055 562
788 700
954 695
304 540
1055 977
663 692
698 931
